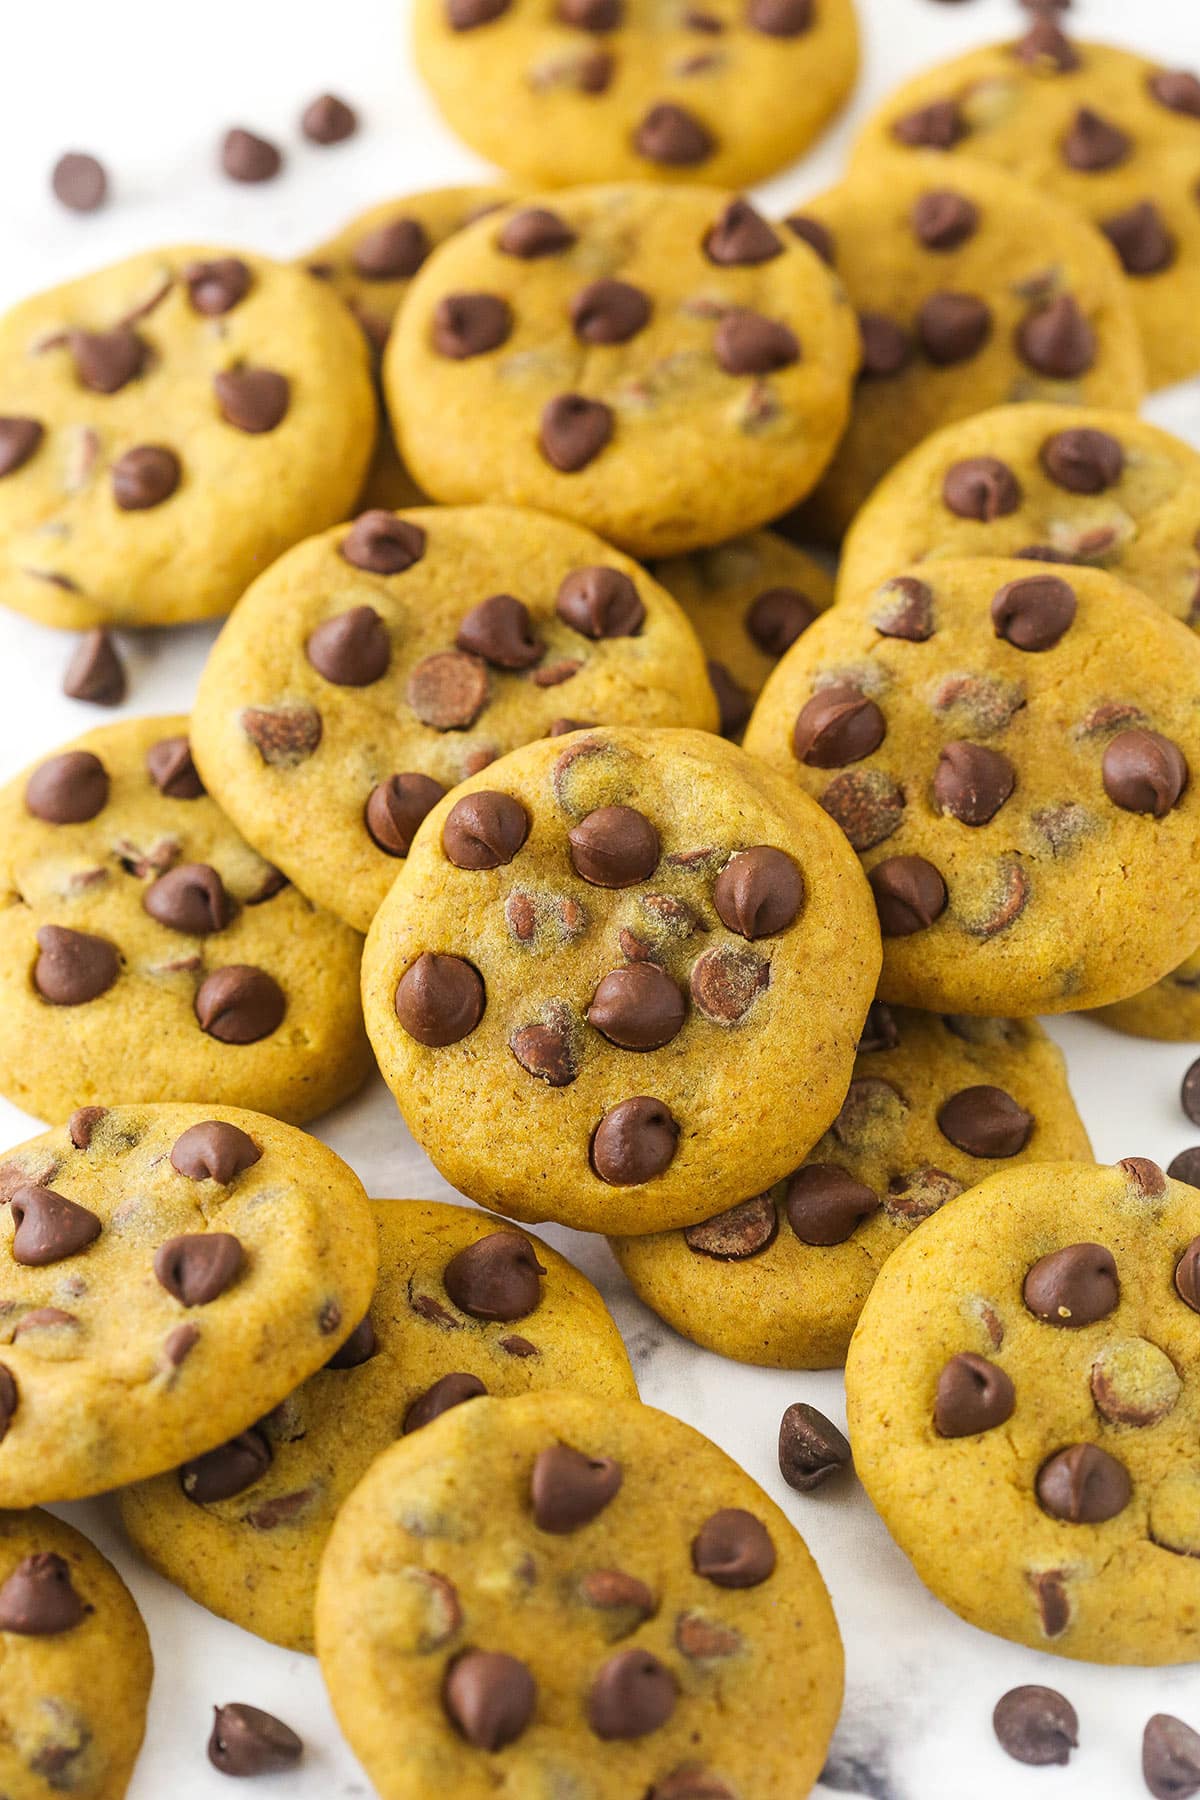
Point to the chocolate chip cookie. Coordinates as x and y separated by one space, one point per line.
373 668
620 980
605 90
749 600
562 1595
935 1105
462 1308
168 426
77 1665
1115 136
1059 484
148 953
1020 1411
1168 1011
657 363
1014 750
173 1272
972 289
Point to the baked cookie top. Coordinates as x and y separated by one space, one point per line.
569 1595
935 1105
1013 748
375 667
147 952
608 90
658 363
168 426
596 950
1050 483
463 1307
173 1273
1021 1385
1168 1011
1111 133
972 289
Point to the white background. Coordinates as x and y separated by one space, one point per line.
149 85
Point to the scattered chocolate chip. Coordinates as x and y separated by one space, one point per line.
670 134
245 157
1187 1274
106 361
439 999
484 830
19 439
216 287
733 1549
547 1050
1036 1725
609 312
985 1121
42 1318
944 220
448 690
79 181
1144 1177
938 126
953 327
747 343
825 1204
981 487
283 735
634 1142
904 609
567 1489
69 789
726 981
886 346
811 1448
73 967
95 671
910 895
247 1741
239 1004
1178 90
252 400
199 1266
82 1125
971 783
1035 612
614 847
1045 46
39 1599
815 234
391 252
743 1231
600 603
500 630
741 237
353 649
214 1150
382 544
1141 238
973 1395
396 807
1144 772
447 1392
497 1278
144 477
839 725
170 767
1083 1485
466 325
1057 340
613 1591
1186 1167
190 898
534 231
328 120
1073 1287
489 1697
759 892
637 1007
1171 1749
777 617
1082 460
1094 143
632 1695
228 1470
573 431
48 1227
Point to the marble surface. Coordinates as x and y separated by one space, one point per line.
149 87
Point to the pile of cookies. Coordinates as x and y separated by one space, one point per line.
681 890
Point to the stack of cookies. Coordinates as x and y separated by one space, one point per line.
682 887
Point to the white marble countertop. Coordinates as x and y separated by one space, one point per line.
149 87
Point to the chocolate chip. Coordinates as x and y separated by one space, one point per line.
747 343
228 1470
144 477
1083 1485
73 967
691 1782
48 1227
638 1007
39 1599
189 898
69 789
613 1591
777 617
1036 1725
80 182
1057 340
95 671
632 1695
447 1392
600 603
909 895
245 1740
216 287
1144 772
1035 612
973 1395
484 830
726 981
534 231
106 361
567 1489
396 807
391 252
170 767
573 431
1073 1287
741 237
82 1125
815 234
439 999
352 649
252 400
1045 46
1141 238
839 725
245 157
239 1004
953 327
971 782
734 704
500 630
497 1277
1171 1749
904 609
759 892
1178 90
1187 1271
609 312
670 134
19 438
825 1204
634 1142
214 1150
1189 1092
489 1697
448 690
466 325
359 1347
283 735
614 847
981 487
1186 1167
743 1231
985 1121
1093 143
811 1448
382 544
1082 460
944 220
547 1051
886 346
938 126
328 120
733 1549
199 1266
591 15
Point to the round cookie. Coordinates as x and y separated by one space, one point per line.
620 980
168 426
1014 750
621 90
1115 136
148 953
1024 1410
659 364
77 1665
173 1272
1051 483
749 600
935 1105
563 1595
375 667
947 266
461 1309
1168 1011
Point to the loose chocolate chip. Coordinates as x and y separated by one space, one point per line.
359 1347
382 544
239 1004
743 1231
106 361
95 671
1178 90
614 847
49 1227
981 487
79 181
985 1121
447 1392
634 1142
144 477
811 1448
466 325
245 157
199 1266
609 312
396 807
567 1489
1171 1749
1057 340
547 1051
216 287
909 895
73 967
972 783
638 1007
600 603
1144 772
497 1277
439 999
534 231
886 346
943 220
252 400
904 609
973 1395
19 438
573 431
328 120
733 1549
1082 460
500 630
39 1599
632 1695
747 343
672 135
1187 1272
1186 1167
245 1740
741 238
352 649
839 725
1141 238
214 1151
1093 143
1036 1725
816 235
69 789
1189 1092
484 830
759 892
489 1697
1073 1287
825 1204
1035 612
228 1470
189 898
1083 1485
938 126
777 617
170 767
953 327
